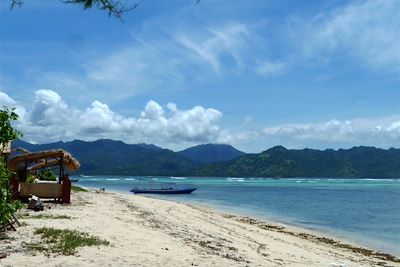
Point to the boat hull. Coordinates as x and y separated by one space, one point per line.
165 191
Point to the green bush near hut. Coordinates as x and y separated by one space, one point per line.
47 175
7 134
75 188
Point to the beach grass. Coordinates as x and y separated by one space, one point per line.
75 188
45 216
64 241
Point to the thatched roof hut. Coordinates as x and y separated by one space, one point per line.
43 159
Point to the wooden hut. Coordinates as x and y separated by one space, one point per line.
33 161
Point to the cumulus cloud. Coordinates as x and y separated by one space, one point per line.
5 100
48 108
51 119
381 131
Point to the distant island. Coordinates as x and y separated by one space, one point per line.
108 157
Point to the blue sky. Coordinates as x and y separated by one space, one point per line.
318 74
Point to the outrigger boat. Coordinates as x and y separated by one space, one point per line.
161 188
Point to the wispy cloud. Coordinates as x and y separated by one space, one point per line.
169 60
270 68
365 32
230 40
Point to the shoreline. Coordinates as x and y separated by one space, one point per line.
146 231
329 233
291 229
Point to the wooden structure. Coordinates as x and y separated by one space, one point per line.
33 161
5 150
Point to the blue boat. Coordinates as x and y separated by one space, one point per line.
161 188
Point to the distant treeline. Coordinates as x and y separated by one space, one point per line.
109 157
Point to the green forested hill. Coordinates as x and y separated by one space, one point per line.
117 158
357 162
209 153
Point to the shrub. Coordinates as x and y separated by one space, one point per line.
47 175
65 241
7 134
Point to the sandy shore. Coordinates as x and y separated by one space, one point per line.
150 232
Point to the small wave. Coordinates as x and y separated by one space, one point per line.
379 180
178 178
154 178
94 179
129 179
113 179
235 179
299 181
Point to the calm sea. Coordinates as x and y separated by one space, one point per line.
364 211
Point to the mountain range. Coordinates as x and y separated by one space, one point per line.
110 157
357 162
117 158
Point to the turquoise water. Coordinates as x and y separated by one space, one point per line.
364 211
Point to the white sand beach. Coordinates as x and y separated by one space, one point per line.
143 231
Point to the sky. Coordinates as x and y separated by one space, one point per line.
253 74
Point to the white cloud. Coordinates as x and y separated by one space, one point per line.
48 108
367 32
165 62
212 44
381 132
51 119
5 100
174 57
269 68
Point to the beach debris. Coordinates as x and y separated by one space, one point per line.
334 264
35 204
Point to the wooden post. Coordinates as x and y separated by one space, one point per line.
61 174
66 190
14 187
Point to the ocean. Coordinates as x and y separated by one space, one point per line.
362 211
